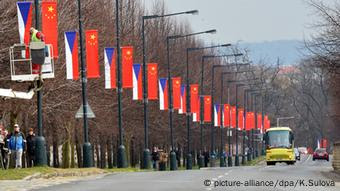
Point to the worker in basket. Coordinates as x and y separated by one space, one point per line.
36 36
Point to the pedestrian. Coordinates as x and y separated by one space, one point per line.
16 145
163 159
155 157
36 36
206 158
30 155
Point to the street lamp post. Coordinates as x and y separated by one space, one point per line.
121 155
40 143
189 156
146 152
87 149
201 159
173 165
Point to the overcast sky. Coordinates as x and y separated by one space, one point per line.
247 20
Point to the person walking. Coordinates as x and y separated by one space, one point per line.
155 157
30 154
16 145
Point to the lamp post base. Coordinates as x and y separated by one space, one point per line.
146 159
87 155
212 160
121 162
230 161
222 162
244 159
40 151
173 161
201 161
249 156
189 161
237 160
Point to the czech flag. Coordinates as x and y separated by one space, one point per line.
71 54
217 115
110 68
163 94
137 82
152 81
24 10
183 100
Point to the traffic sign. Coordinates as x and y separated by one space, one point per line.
80 112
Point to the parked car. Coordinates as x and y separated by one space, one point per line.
320 153
297 154
303 150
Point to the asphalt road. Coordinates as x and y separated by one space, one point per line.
305 175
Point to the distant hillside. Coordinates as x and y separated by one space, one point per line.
289 51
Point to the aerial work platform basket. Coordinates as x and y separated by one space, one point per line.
22 57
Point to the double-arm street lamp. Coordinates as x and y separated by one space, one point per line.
146 152
201 158
229 157
237 162
189 156
173 164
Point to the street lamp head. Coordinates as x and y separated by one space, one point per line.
193 12
211 31
238 54
150 16
225 45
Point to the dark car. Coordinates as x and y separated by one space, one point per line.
320 153
297 154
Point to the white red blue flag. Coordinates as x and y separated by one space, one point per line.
182 109
163 94
71 54
217 115
24 10
110 68
137 84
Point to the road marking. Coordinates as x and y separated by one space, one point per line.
208 188
220 176
226 174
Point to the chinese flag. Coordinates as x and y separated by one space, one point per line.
127 61
266 125
50 25
259 121
248 121
207 108
226 115
252 120
240 118
92 54
176 92
152 81
233 116
194 106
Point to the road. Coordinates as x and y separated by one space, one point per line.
300 176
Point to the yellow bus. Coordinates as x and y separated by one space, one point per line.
279 145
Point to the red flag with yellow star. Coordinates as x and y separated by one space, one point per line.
176 92
194 106
207 108
92 64
127 61
152 81
50 25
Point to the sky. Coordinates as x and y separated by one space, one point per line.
247 20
